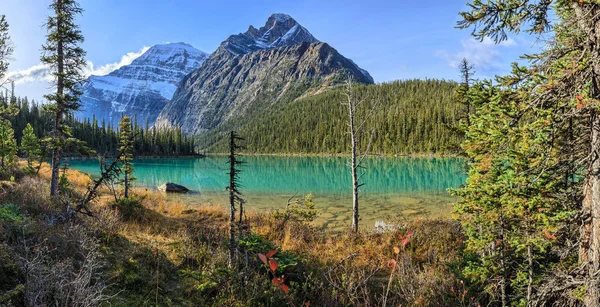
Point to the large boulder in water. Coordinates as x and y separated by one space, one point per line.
171 187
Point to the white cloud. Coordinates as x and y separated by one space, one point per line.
484 55
108 68
42 72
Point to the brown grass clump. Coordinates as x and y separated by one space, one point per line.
77 178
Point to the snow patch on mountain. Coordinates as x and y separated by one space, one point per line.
142 88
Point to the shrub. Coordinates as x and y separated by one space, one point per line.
9 213
300 210
131 209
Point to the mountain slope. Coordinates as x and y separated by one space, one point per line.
141 88
254 71
412 116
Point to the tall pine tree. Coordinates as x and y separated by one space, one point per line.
7 108
6 49
62 52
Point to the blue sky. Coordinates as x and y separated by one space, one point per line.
391 39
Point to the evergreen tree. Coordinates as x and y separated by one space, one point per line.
62 52
7 109
509 208
461 93
126 148
546 146
8 145
6 49
30 145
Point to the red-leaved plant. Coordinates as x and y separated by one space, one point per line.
394 261
272 265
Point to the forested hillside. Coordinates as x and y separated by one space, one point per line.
100 137
411 116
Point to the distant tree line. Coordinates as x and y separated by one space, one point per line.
97 135
412 116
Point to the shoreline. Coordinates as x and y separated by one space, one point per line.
140 157
323 155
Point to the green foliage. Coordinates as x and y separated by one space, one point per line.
255 244
131 209
533 146
412 116
508 209
10 213
8 145
98 136
6 48
301 210
65 57
11 288
68 60
30 145
126 148
63 184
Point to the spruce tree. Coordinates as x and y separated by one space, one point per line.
6 49
30 145
126 147
509 208
7 109
8 145
559 95
62 52
466 79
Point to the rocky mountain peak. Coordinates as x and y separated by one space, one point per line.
279 30
172 55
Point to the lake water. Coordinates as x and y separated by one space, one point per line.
395 188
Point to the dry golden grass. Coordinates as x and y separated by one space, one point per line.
78 179
174 228
167 217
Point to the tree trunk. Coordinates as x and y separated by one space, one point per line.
588 21
59 105
503 270
126 181
590 241
353 164
231 200
530 271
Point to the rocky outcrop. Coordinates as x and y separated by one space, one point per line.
170 187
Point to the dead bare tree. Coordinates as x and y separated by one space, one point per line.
356 129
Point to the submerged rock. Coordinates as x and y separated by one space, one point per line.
171 187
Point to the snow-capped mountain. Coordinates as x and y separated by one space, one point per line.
254 71
279 30
142 88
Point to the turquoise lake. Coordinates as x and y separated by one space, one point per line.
395 188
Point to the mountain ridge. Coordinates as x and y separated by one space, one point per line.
243 76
